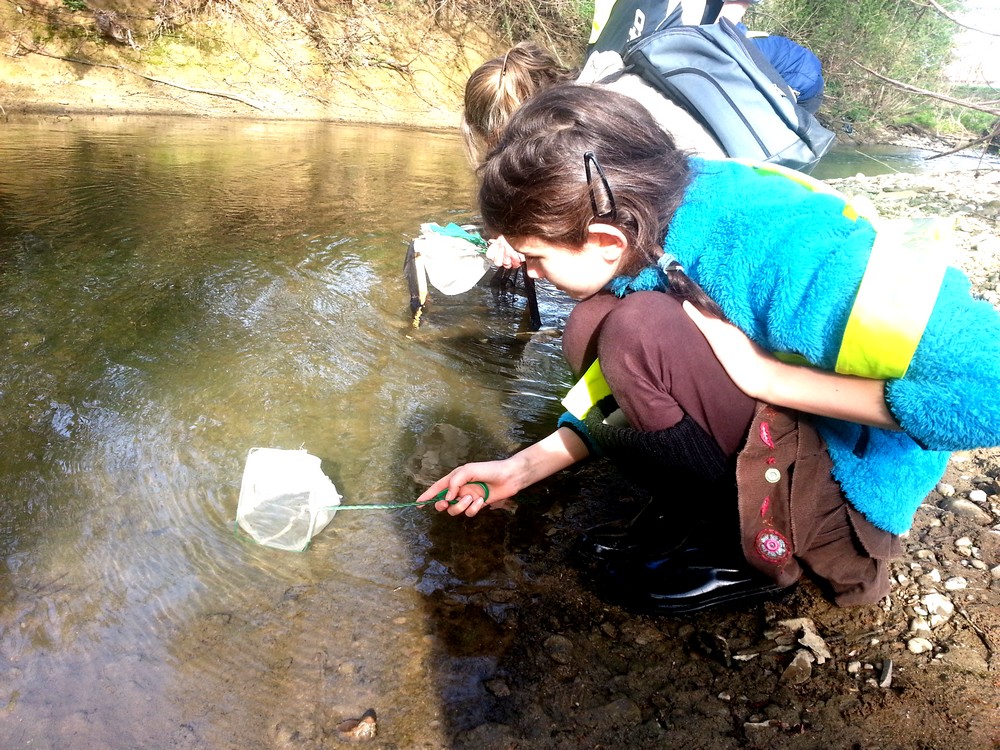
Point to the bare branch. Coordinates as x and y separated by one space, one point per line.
933 94
937 6
985 138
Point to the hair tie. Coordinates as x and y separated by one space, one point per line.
503 68
669 262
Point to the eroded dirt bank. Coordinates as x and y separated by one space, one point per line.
402 63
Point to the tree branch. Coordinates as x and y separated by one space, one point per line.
986 138
933 94
937 6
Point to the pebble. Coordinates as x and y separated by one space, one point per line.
978 496
919 645
559 649
945 490
995 572
956 584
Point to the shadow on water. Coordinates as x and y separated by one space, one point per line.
174 293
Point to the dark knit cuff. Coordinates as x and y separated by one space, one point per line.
578 427
686 447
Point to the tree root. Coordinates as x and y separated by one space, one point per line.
182 87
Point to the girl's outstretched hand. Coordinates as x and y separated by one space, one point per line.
470 498
559 450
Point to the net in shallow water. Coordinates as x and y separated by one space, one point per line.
285 498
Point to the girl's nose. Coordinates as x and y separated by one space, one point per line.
531 268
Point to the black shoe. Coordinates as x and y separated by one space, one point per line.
688 579
651 533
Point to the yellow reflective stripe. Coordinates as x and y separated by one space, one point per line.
895 299
602 12
854 207
590 389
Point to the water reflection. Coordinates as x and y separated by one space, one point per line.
847 161
172 293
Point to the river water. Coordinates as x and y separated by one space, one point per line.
174 292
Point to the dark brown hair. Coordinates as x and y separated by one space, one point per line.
534 183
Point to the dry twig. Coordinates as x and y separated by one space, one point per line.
950 17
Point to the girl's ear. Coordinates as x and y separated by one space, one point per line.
608 239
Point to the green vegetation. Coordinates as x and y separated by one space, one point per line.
903 40
858 41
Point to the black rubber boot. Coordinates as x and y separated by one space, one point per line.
695 575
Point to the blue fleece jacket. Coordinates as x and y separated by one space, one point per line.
784 264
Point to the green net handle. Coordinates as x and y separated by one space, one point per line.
390 506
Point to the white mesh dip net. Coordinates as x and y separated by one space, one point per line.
285 498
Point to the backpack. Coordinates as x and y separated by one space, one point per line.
618 22
719 76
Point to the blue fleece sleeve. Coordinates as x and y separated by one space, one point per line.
947 400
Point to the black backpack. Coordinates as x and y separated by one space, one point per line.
631 19
724 81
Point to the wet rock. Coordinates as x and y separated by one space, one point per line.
497 688
441 449
358 730
559 648
966 509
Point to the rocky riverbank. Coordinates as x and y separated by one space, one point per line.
918 671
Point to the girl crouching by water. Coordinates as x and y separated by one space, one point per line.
759 465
